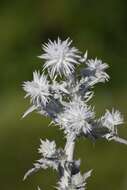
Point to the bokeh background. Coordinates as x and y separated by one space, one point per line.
97 26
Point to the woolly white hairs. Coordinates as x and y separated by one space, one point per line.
63 95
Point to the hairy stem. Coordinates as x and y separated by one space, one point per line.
67 169
69 149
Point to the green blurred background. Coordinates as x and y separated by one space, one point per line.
99 26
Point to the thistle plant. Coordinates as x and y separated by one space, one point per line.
62 92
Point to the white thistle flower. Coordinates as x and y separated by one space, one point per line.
111 119
75 118
95 72
47 148
38 89
60 57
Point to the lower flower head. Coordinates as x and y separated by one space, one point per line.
75 118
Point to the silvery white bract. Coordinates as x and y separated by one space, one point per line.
95 72
47 148
51 157
77 181
60 57
64 96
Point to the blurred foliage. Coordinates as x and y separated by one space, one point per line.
99 26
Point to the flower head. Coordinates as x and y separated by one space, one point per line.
95 72
47 148
60 57
38 89
75 117
111 119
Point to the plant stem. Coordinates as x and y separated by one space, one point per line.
69 149
67 169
